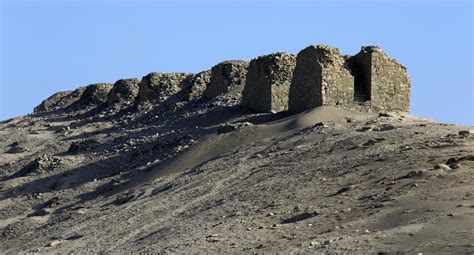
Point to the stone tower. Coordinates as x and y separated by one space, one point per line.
381 80
268 82
321 77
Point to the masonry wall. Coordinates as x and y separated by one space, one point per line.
268 82
388 80
321 77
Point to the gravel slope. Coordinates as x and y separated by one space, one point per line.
164 180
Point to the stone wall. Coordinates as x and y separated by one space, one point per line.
368 81
388 80
268 82
157 87
317 76
228 76
321 77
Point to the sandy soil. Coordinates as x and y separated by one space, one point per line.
325 180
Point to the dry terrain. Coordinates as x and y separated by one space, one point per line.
214 177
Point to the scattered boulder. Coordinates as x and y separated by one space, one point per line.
442 166
15 148
42 164
384 127
412 174
268 82
18 228
227 77
300 217
82 146
465 133
158 87
226 128
46 163
124 91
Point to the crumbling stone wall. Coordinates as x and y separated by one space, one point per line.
51 102
198 84
268 82
60 100
124 91
386 79
321 77
95 94
157 87
228 76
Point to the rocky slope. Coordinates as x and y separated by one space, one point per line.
103 169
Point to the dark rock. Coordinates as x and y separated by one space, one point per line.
300 217
226 128
83 146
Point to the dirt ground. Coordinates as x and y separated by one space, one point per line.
174 180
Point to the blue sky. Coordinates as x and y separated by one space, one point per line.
50 46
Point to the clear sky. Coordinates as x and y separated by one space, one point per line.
50 46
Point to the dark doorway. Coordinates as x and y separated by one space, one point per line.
360 67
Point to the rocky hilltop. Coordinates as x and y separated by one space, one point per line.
314 152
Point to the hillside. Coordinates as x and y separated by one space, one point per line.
176 163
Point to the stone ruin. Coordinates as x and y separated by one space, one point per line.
124 91
157 87
227 77
317 76
59 100
368 81
268 82
94 94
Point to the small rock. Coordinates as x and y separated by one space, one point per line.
412 174
365 129
327 242
386 114
226 128
54 243
465 133
314 243
344 189
443 167
384 127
